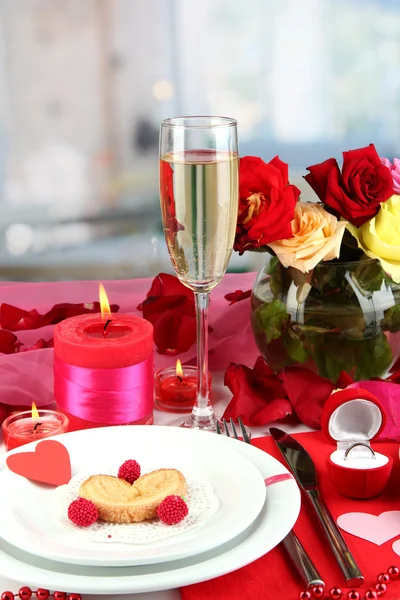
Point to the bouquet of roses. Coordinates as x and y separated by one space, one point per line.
329 294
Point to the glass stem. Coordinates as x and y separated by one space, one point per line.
202 413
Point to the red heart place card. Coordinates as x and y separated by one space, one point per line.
48 463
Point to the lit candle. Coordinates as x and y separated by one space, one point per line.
30 426
95 376
175 389
108 341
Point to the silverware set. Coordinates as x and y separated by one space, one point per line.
302 467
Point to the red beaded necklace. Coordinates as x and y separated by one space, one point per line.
318 592
25 593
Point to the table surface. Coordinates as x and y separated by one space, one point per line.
221 398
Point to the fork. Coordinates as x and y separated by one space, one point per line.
246 433
294 548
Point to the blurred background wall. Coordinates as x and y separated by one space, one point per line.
85 83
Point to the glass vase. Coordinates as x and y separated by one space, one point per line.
338 317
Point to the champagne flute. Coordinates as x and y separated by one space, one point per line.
199 192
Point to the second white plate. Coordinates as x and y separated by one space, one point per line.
30 523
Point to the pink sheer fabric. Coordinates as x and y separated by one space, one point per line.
28 376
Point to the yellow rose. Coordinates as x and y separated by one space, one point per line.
317 236
380 237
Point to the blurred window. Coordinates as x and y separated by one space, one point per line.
84 85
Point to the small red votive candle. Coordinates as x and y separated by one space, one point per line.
31 426
175 388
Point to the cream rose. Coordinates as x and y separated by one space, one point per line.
380 237
317 236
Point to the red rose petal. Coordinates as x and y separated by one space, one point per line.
170 307
307 393
237 296
13 318
344 380
9 343
275 411
258 395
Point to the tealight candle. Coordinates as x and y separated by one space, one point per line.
30 426
175 388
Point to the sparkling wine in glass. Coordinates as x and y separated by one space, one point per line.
199 191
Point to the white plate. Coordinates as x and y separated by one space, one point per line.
32 521
276 519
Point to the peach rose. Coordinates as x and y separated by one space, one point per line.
317 236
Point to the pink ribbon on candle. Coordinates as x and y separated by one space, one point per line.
112 396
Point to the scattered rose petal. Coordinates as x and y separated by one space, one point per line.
258 394
307 393
170 307
344 380
237 296
4 410
39 345
9 343
13 318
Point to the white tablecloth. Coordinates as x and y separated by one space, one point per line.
221 396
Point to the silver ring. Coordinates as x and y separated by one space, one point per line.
350 448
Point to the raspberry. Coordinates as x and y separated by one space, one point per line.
172 510
130 471
82 512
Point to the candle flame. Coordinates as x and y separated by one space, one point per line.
179 370
35 412
104 304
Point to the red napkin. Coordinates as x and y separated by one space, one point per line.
273 576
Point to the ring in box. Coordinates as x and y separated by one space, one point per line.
352 419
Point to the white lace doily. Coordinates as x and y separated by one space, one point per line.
200 498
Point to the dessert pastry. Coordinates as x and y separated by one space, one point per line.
118 501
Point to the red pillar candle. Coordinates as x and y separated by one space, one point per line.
176 388
103 370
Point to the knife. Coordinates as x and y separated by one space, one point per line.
303 469
301 561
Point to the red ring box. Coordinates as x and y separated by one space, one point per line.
353 416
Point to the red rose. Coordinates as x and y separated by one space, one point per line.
170 307
266 203
357 192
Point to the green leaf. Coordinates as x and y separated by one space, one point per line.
375 359
272 318
272 265
295 347
362 358
391 319
312 329
369 276
324 276
274 270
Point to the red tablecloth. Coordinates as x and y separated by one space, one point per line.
272 577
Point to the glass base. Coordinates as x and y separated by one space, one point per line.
198 423
190 423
